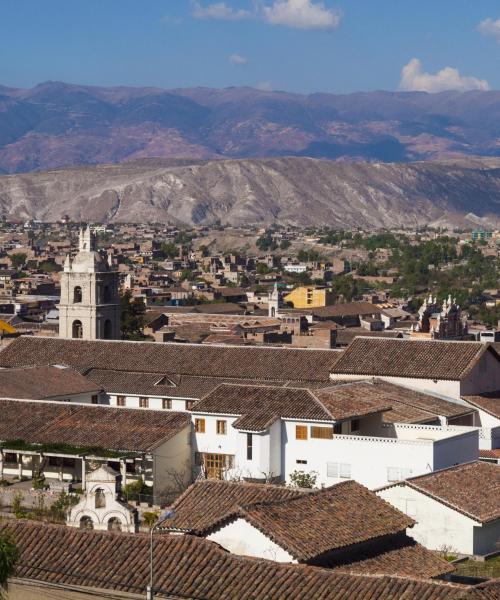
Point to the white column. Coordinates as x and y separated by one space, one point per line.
20 465
84 474
1 464
123 471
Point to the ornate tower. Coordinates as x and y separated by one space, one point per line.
274 302
90 303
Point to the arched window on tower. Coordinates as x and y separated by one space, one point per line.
114 524
100 498
86 523
108 330
77 330
106 295
77 295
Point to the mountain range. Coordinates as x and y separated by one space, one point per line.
287 190
56 124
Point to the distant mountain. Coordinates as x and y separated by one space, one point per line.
293 190
56 124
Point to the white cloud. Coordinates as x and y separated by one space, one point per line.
490 27
414 79
237 59
301 14
219 10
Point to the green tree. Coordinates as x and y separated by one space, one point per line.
285 244
169 250
9 556
302 479
133 311
18 259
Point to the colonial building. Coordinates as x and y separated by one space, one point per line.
444 322
90 302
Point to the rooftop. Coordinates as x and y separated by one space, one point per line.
191 567
40 383
88 426
427 359
471 488
185 359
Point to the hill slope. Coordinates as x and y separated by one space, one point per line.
56 124
298 191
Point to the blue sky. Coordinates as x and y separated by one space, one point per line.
295 45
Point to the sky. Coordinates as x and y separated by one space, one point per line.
303 46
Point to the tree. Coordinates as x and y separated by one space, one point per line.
18 259
133 311
285 244
169 250
302 479
9 555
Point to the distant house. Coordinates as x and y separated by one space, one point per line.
457 509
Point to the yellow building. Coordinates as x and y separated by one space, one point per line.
310 297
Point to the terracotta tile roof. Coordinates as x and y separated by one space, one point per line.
471 488
495 453
77 425
260 405
248 362
39 383
410 358
490 402
313 524
191 567
404 399
208 503
396 555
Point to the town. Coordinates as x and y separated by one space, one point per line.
250 413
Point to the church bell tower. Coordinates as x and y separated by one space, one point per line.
90 302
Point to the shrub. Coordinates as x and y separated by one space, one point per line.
304 480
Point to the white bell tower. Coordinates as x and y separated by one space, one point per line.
90 303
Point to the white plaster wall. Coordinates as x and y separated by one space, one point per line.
484 377
456 450
368 458
155 402
173 456
239 537
437 525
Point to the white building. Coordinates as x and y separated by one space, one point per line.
100 508
343 527
264 433
90 302
457 509
466 372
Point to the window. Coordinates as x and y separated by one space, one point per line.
199 425
322 433
10 457
301 461
249 446
166 403
216 464
95 399
345 471
337 428
100 498
86 523
121 401
221 427
143 402
190 404
332 470
54 461
355 425
301 432
77 295
77 330
108 330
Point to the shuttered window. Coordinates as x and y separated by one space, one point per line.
322 433
301 432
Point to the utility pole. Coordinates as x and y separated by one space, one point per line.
168 514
